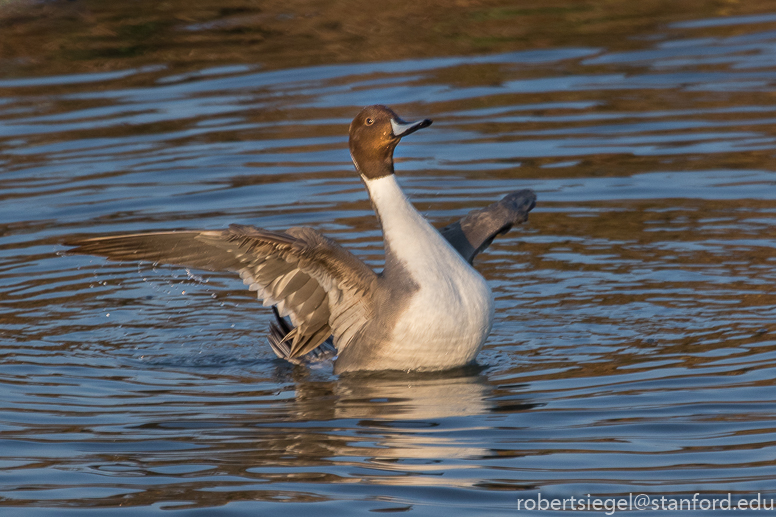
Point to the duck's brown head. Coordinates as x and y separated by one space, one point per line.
374 134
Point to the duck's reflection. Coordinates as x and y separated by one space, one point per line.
401 396
410 421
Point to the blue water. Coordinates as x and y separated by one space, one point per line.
632 350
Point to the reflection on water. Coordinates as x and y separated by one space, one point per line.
632 349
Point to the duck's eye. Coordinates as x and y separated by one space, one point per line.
369 122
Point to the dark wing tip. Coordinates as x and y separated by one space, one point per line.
520 201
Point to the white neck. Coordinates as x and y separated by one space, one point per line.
408 236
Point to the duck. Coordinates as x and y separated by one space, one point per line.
427 310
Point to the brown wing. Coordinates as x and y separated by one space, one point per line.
310 278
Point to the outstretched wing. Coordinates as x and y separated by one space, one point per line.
476 231
308 276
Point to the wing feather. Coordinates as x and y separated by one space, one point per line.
473 233
305 274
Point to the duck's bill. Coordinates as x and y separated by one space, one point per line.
402 129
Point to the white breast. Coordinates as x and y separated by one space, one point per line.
450 316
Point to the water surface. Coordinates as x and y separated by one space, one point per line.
632 350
